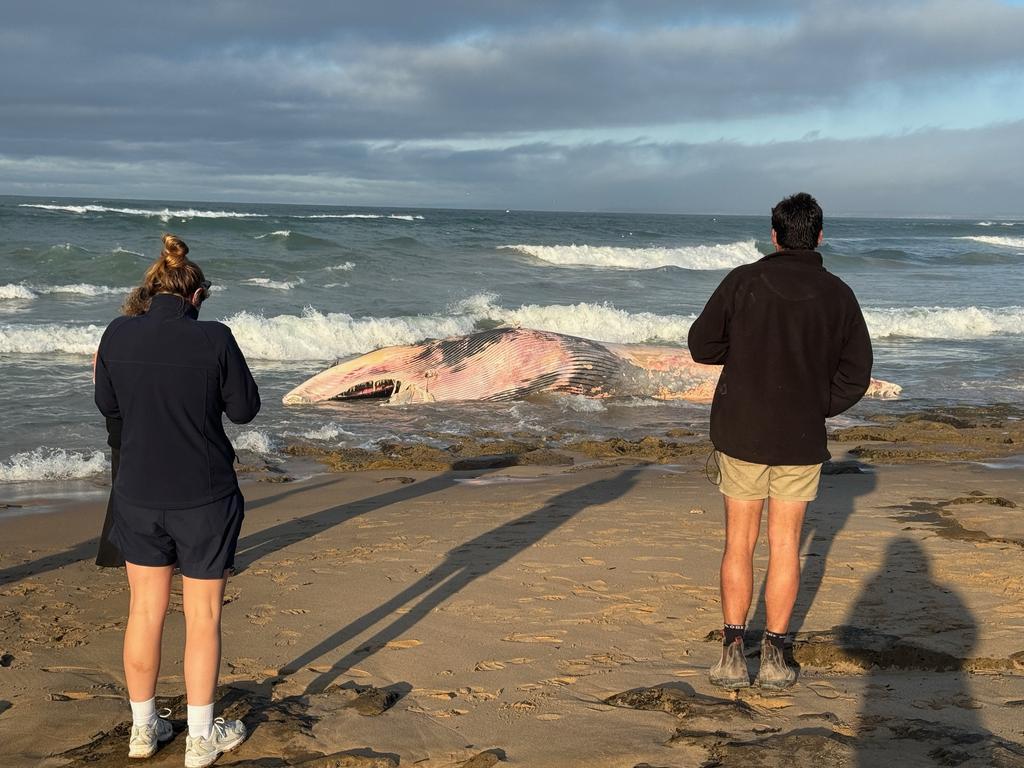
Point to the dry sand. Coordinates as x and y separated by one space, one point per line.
547 616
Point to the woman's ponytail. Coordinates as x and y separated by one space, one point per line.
173 272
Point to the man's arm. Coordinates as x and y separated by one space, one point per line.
853 374
708 338
238 388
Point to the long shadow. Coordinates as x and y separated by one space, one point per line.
826 517
258 545
461 567
885 724
261 543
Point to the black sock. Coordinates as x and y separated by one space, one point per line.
733 631
779 641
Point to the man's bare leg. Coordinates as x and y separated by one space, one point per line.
742 527
785 519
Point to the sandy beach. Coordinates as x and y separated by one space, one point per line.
550 615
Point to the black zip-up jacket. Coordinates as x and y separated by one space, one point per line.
795 349
170 377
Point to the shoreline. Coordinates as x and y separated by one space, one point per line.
991 436
440 617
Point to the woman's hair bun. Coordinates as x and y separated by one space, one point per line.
174 251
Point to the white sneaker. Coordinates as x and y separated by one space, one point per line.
225 736
145 739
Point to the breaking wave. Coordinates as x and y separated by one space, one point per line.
49 337
164 214
945 322
255 441
315 335
1007 242
697 257
23 291
277 285
318 336
395 216
51 464
16 292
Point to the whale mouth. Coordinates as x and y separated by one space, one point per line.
382 389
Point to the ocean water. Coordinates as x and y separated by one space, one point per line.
303 286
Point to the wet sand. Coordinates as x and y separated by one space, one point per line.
553 613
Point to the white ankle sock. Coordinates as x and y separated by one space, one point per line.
143 712
200 721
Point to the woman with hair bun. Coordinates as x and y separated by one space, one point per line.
170 378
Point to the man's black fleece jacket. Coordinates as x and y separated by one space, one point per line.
795 349
171 377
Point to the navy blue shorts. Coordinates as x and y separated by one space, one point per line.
201 541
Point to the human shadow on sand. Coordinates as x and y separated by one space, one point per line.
461 566
947 632
260 543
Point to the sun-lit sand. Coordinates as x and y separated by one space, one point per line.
423 618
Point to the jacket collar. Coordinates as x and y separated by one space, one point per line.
167 306
797 258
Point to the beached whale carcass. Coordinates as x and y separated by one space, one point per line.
514 363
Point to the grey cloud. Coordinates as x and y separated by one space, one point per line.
258 70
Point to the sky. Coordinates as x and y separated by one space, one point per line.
903 108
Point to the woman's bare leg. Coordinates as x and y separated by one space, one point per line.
203 599
150 592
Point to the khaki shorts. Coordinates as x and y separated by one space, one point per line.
785 482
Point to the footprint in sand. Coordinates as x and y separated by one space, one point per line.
519 707
493 665
591 561
559 681
261 614
555 637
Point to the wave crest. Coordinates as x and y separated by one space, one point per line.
1007 242
945 322
51 464
696 257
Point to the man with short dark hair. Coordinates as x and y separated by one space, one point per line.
795 350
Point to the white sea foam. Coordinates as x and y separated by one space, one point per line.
601 322
698 257
1007 242
164 214
327 432
277 285
581 404
255 441
23 291
49 337
397 216
12 291
316 336
275 233
82 289
945 322
51 464
348 266
993 223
